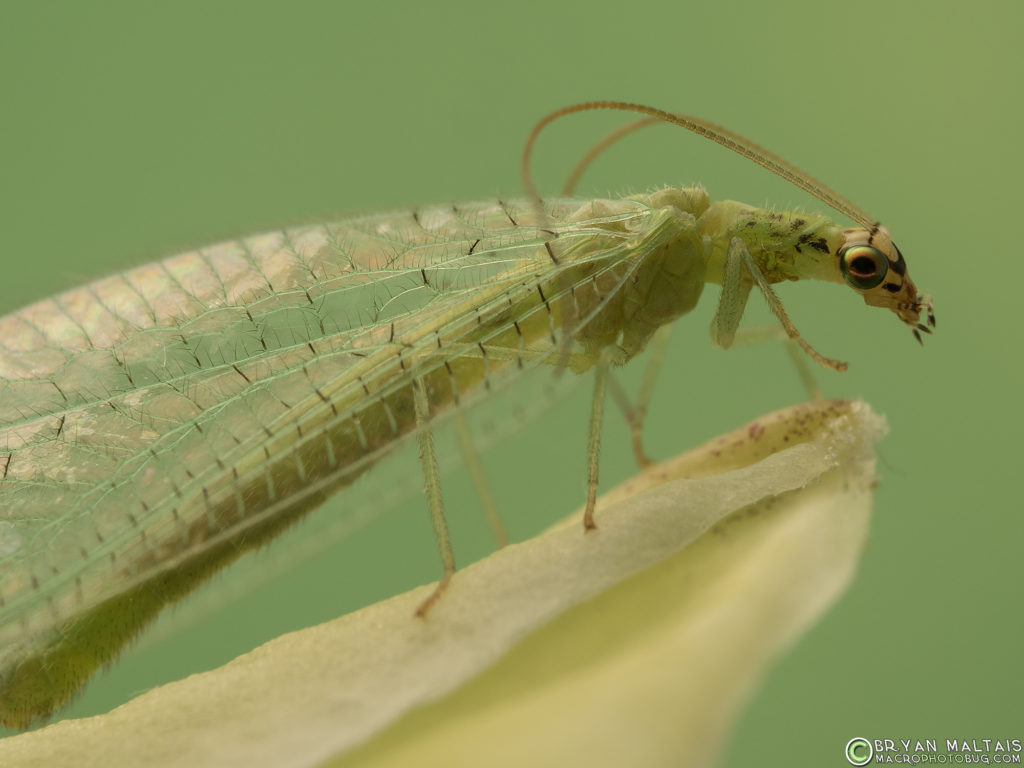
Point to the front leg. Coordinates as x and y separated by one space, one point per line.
741 272
735 290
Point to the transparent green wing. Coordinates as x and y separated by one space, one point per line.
177 407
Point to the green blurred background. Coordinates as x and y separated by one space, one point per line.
135 130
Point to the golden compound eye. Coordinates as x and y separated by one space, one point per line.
862 266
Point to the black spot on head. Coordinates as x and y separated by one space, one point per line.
891 287
818 244
899 266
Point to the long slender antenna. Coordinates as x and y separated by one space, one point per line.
598 149
716 133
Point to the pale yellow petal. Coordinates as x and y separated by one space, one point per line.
632 645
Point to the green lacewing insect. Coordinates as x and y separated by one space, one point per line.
159 422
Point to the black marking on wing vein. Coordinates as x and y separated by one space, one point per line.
508 213
123 367
59 390
519 333
257 327
551 253
451 378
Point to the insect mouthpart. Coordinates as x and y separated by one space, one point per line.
923 304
